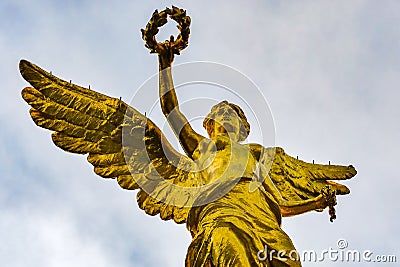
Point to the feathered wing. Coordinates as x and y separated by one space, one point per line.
299 180
120 142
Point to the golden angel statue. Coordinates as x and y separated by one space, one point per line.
231 196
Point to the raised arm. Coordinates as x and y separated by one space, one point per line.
166 50
188 138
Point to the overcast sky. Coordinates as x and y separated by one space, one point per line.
330 71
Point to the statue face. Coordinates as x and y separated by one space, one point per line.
226 122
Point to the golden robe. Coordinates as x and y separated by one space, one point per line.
232 230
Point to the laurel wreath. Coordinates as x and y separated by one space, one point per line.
159 19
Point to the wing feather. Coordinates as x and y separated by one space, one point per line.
120 142
72 144
299 180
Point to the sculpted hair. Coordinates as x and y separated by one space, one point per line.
208 122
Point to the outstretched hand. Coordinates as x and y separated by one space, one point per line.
329 200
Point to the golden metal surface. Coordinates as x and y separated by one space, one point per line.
230 195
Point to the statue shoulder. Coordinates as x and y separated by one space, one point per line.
255 150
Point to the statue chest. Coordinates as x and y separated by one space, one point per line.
221 158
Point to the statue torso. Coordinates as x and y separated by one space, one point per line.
220 158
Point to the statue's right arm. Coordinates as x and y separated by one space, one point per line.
188 138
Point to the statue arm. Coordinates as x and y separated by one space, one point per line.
295 207
298 207
188 138
277 169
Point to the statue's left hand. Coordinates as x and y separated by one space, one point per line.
329 200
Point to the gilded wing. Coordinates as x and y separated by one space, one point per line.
299 180
120 142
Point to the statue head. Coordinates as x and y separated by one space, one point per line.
227 119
